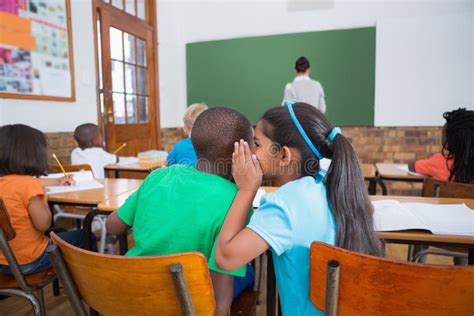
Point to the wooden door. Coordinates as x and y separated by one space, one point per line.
128 82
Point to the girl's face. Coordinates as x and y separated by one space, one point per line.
268 154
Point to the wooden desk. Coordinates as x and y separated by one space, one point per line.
391 172
92 198
422 237
136 167
112 204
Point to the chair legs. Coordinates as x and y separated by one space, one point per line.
37 304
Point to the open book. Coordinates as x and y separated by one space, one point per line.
84 180
447 219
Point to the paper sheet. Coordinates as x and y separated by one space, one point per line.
405 169
84 180
443 219
258 197
123 161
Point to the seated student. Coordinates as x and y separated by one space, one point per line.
91 149
310 204
182 208
455 162
23 158
183 151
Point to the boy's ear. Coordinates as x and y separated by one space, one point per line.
285 156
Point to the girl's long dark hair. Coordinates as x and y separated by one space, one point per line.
458 144
22 151
346 188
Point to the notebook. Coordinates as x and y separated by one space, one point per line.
84 180
444 219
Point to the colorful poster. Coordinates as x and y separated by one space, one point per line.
34 48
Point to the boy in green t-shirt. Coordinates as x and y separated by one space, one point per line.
181 208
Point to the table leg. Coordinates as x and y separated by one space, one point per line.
88 228
372 187
117 174
382 185
470 256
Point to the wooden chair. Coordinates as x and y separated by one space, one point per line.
18 284
436 188
343 282
118 285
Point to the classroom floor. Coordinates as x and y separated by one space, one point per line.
59 305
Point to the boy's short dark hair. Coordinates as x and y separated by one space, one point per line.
302 64
84 135
22 151
215 132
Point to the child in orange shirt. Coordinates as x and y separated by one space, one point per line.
456 161
23 158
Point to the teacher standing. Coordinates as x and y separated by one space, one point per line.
303 88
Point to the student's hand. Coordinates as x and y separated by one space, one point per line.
67 180
246 169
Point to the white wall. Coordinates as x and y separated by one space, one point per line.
424 67
181 22
49 116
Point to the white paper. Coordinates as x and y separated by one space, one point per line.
404 168
447 219
84 180
391 215
258 197
123 161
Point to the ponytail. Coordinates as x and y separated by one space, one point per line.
349 201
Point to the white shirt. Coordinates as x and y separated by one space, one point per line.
96 157
304 89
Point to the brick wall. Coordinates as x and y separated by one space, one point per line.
372 144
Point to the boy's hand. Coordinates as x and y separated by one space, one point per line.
68 180
245 168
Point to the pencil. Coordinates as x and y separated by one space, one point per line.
120 148
60 165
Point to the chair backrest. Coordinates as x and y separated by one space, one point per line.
375 286
120 285
5 224
436 188
70 168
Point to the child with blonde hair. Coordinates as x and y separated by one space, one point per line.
183 151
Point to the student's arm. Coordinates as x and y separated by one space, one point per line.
40 213
115 226
69 180
238 245
222 284
322 101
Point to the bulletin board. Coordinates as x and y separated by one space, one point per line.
36 57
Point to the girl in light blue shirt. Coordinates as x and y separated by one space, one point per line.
310 205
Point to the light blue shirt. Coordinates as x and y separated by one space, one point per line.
182 153
289 220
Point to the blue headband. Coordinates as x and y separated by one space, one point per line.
289 105
334 132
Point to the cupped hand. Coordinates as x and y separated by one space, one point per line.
246 169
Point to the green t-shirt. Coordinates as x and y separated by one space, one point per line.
178 209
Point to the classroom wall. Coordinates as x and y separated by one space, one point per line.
50 116
449 43
181 22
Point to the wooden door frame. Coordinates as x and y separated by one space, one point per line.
150 10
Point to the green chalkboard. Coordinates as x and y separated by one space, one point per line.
249 74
